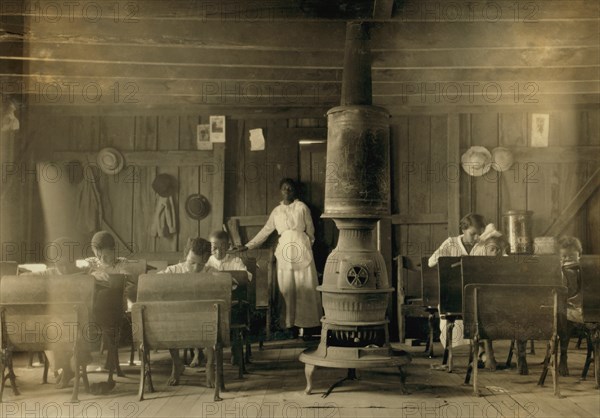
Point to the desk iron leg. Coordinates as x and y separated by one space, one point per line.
430 322
474 365
450 330
588 356
142 373
546 363
218 365
510 354
46 367
596 344
554 352
75 396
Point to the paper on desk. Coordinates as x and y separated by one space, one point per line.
257 140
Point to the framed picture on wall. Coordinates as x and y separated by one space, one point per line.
217 128
540 124
203 138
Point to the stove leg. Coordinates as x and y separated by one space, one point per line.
350 376
309 371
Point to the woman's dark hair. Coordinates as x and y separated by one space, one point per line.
289 181
198 246
472 219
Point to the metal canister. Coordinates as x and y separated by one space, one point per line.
517 227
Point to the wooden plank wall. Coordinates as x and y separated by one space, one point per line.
270 58
545 186
128 199
252 177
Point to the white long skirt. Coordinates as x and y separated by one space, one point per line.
300 299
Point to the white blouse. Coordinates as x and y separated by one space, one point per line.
296 235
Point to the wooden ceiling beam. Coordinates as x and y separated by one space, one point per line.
383 9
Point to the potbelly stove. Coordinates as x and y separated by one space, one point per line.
356 288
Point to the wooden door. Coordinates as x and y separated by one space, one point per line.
313 162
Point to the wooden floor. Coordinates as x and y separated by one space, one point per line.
275 383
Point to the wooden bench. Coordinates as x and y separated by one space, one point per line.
46 313
430 291
511 270
241 302
175 311
8 268
512 311
264 261
409 294
109 311
590 289
450 295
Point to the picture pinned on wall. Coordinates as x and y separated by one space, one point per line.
217 128
540 124
203 138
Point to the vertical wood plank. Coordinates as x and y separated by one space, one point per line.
593 124
214 176
572 178
117 190
168 140
83 134
513 182
592 241
255 173
484 132
144 197
466 181
419 236
189 180
542 196
230 169
400 168
454 174
281 159
438 177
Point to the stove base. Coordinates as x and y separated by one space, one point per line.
313 358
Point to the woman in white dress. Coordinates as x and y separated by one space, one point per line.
296 271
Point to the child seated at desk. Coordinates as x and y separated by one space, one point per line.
63 259
570 250
196 253
219 259
491 243
105 260
477 239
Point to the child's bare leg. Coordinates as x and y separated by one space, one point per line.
210 367
196 360
490 360
177 368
